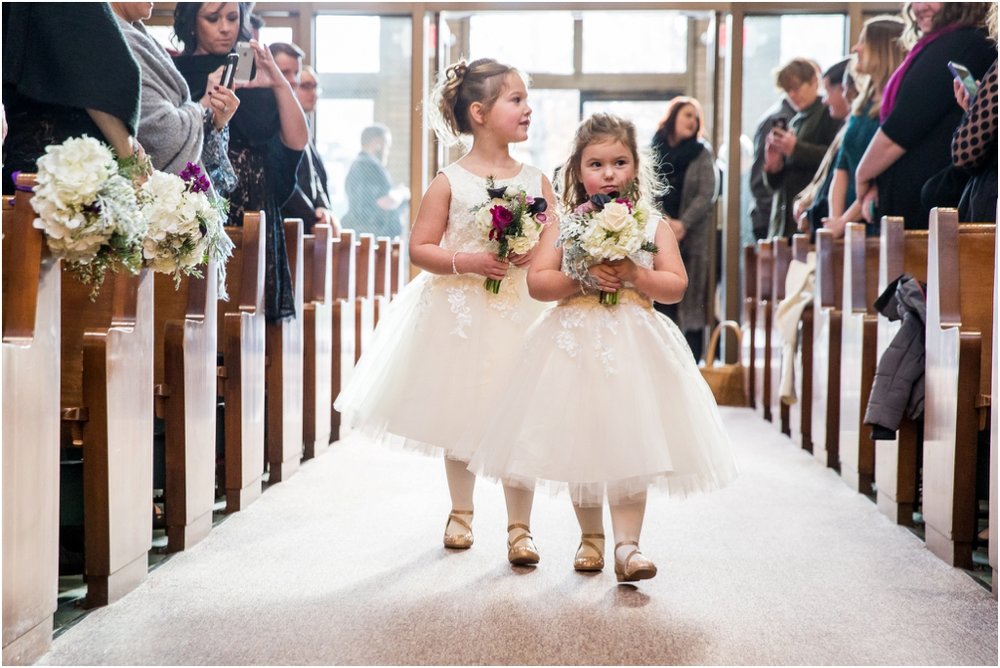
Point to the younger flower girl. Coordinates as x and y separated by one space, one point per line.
609 397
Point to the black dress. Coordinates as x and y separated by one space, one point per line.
265 172
52 74
923 119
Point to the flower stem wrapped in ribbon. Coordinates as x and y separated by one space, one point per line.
185 225
88 210
511 220
603 229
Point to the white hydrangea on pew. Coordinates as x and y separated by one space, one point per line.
87 207
184 225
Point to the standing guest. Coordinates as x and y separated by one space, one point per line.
918 114
684 164
792 155
879 52
86 83
438 357
974 144
311 199
173 129
267 137
763 196
373 203
812 204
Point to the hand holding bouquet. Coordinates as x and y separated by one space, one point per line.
512 221
604 229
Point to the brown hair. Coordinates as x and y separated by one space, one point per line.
668 124
597 129
952 13
795 72
884 52
458 88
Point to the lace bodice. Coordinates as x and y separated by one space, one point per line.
469 191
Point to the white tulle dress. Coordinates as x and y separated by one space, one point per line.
610 400
437 356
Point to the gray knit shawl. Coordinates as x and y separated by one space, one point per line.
170 124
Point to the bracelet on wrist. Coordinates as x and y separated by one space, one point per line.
454 268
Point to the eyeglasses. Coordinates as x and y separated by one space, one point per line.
310 86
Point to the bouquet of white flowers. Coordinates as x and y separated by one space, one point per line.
512 220
605 228
185 225
88 210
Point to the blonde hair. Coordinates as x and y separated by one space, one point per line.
884 52
597 129
461 85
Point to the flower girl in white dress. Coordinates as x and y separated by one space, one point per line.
608 396
435 358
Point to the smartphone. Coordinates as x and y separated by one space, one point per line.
229 70
962 73
781 122
245 63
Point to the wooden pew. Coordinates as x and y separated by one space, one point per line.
107 403
960 265
283 374
184 373
31 336
896 474
749 326
762 338
826 349
364 316
995 421
344 303
383 275
800 413
782 255
317 343
397 271
241 376
858 354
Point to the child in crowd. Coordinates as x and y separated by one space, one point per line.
435 358
607 397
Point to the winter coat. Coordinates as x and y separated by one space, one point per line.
899 379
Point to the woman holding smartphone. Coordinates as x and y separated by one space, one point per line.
173 129
918 113
267 136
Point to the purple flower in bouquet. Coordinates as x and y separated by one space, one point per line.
511 219
195 179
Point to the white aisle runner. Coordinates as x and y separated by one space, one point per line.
343 564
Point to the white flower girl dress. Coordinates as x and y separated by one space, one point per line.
435 360
610 400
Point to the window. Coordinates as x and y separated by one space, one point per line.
349 44
530 41
634 42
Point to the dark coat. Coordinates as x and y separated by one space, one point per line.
899 379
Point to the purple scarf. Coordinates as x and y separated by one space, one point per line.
896 80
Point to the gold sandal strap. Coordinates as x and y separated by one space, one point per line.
626 542
526 534
459 521
460 512
592 535
589 544
518 525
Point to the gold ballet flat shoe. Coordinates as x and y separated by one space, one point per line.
521 551
588 563
458 541
635 567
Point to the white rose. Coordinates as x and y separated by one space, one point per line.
615 217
